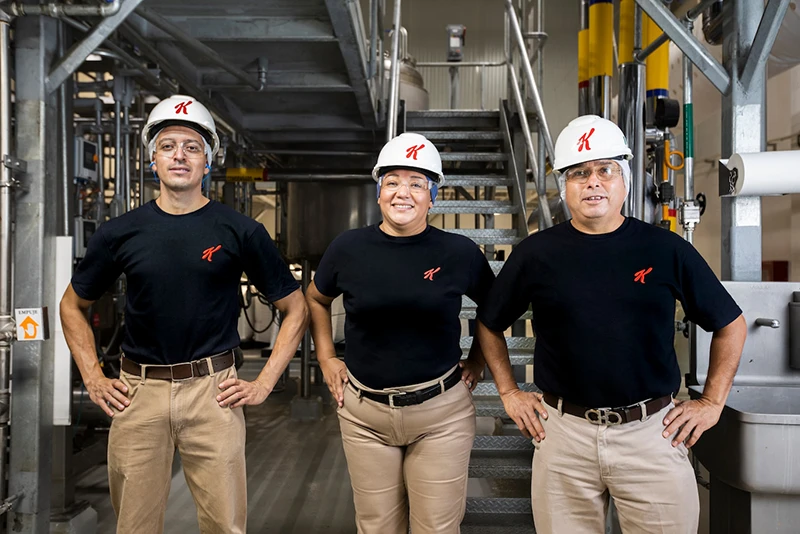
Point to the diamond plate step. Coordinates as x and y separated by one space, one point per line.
489 389
496 266
447 119
483 180
498 529
515 464
516 359
497 505
474 156
488 407
451 113
468 308
520 349
488 237
473 206
502 443
450 135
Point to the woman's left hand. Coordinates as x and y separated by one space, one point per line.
471 372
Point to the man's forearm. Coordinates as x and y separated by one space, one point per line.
293 327
495 352
726 350
81 343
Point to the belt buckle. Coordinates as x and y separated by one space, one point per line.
172 373
393 395
603 416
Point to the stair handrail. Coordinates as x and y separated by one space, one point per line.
394 77
512 162
544 130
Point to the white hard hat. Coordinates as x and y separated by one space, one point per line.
589 138
410 151
181 110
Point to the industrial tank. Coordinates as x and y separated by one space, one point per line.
317 212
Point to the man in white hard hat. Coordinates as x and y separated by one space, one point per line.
603 289
182 256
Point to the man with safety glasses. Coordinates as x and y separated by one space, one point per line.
603 289
183 256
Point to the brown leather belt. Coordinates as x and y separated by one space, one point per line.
180 371
611 416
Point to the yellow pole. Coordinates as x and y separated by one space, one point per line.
583 58
626 10
657 62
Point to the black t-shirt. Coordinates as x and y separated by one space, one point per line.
604 309
182 274
402 297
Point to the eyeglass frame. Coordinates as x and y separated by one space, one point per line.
182 145
429 184
594 168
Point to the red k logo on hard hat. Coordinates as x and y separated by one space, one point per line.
411 152
182 107
583 142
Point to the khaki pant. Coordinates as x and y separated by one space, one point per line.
161 417
409 462
578 465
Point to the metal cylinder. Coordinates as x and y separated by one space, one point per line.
6 282
631 122
454 87
601 56
126 158
626 14
118 179
657 69
541 151
64 141
101 164
142 153
394 77
318 212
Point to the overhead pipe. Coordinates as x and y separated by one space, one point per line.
19 9
6 279
394 76
197 47
663 38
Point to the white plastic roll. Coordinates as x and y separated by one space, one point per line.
760 174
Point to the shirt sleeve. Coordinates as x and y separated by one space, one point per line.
265 268
509 297
705 300
326 278
98 269
481 277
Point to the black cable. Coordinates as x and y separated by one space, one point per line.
261 299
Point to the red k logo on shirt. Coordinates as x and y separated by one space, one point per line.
430 272
583 142
411 152
207 253
639 276
182 108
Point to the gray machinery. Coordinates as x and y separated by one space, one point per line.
412 87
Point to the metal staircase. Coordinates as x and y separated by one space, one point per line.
484 178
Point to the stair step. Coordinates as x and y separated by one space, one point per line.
513 464
474 156
486 180
521 344
451 113
522 528
515 359
468 307
496 266
489 389
491 236
490 407
451 135
473 206
499 505
502 443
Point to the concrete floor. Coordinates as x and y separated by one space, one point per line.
297 476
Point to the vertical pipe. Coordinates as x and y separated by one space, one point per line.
601 56
64 145
6 281
101 164
483 87
626 15
142 152
583 60
394 77
688 140
126 157
454 87
631 122
373 38
541 183
657 69
117 202
305 352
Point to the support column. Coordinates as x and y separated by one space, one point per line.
36 226
744 129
